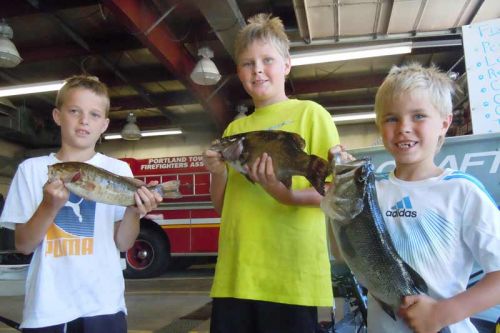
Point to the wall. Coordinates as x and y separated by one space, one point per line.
162 146
8 150
359 135
352 136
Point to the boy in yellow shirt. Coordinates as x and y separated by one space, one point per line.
273 267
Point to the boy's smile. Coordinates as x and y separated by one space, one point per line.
411 128
262 70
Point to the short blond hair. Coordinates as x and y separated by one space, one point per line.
412 77
263 28
91 83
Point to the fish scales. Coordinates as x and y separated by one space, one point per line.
97 184
351 207
286 150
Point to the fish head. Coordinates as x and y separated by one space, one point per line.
344 200
230 147
67 172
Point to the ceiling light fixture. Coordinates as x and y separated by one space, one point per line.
321 56
131 131
34 88
352 118
170 131
9 56
205 72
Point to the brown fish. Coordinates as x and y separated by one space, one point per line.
286 150
99 185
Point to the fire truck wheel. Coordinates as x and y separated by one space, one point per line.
150 255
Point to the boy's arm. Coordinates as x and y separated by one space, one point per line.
30 234
127 229
438 314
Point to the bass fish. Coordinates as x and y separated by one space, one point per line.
351 207
286 150
99 185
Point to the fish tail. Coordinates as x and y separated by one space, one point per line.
317 171
169 189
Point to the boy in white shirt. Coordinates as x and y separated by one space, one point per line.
449 219
75 282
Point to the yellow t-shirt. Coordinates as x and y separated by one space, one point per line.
269 251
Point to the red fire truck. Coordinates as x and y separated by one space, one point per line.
188 226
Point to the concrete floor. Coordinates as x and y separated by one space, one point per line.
154 305
166 304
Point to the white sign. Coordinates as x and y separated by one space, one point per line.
482 60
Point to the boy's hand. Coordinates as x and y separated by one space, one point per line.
422 314
55 194
262 172
146 200
341 152
213 162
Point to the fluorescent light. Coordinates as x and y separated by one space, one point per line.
321 56
25 89
354 117
171 131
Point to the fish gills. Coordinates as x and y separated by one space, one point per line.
99 185
285 149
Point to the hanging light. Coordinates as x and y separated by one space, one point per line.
205 72
9 57
131 131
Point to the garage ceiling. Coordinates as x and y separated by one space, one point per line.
145 51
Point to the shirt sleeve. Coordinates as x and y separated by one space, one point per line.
481 231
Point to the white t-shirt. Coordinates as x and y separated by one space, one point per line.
75 271
439 226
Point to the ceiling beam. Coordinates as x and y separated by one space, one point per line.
117 43
21 8
225 18
139 16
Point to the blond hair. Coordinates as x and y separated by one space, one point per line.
91 83
414 77
263 28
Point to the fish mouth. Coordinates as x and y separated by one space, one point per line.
351 166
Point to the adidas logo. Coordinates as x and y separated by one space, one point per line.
402 208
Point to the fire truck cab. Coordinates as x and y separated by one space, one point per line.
188 226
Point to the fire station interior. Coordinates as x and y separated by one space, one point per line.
170 69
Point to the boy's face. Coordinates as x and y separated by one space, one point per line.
262 71
82 118
410 129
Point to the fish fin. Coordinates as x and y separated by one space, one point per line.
317 171
135 181
386 307
298 140
169 189
419 281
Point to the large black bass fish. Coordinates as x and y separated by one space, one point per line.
99 185
351 207
286 150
